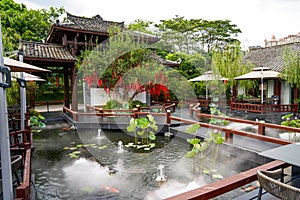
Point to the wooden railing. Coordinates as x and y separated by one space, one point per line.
263 108
23 191
228 184
110 112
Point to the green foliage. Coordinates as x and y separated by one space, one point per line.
36 120
227 62
112 104
141 26
291 121
18 22
190 35
13 94
143 129
191 65
291 71
134 103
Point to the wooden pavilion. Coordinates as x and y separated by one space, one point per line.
66 40
64 43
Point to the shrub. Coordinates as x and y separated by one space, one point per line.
112 104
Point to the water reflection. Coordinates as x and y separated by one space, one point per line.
100 172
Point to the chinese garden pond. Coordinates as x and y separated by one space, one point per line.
67 165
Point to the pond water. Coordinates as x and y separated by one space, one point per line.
69 166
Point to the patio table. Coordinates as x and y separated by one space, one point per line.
287 153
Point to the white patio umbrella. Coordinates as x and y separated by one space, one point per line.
208 76
260 73
17 66
27 77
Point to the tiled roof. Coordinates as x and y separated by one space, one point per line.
96 23
163 61
45 51
271 57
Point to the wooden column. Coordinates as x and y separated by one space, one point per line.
67 89
74 88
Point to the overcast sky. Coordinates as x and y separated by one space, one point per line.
258 19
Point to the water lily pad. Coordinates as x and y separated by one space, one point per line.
73 155
66 148
79 145
217 176
76 152
147 149
103 147
73 148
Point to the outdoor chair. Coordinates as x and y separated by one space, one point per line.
271 181
16 163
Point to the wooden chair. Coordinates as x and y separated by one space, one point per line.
270 181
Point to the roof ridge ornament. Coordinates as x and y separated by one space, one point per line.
98 17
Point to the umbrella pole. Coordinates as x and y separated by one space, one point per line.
4 134
262 86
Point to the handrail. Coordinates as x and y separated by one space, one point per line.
228 184
261 124
23 191
230 131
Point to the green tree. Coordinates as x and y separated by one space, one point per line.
212 33
177 34
291 71
191 65
227 62
20 23
195 35
141 26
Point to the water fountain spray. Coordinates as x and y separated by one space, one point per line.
160 177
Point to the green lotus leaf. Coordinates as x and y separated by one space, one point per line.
131 128
73 148
151 118
193 141
192 128
79 145
147 149
152 136
190 154
141 132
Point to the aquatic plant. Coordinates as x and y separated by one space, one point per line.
215 111
36 121
202 148
144 135
291 121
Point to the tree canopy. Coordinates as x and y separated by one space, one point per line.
20 23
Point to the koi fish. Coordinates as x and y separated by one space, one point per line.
111 189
